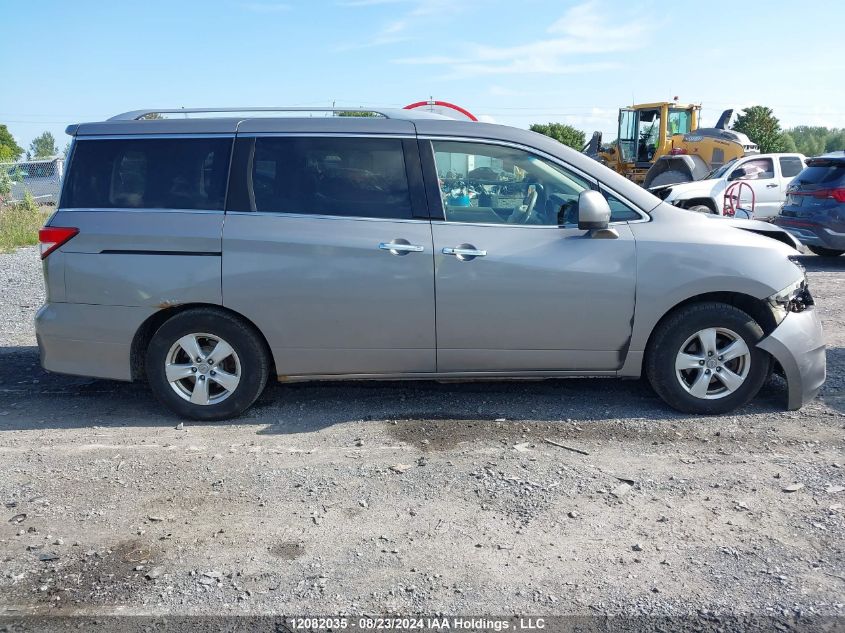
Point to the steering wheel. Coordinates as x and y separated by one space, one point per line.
521 217
532 202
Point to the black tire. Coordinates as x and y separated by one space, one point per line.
250 360
671 177
669 338
821 251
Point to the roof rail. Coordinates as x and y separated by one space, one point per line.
136 115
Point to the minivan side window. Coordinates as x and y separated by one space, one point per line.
345 176
494 184
790 166
148 173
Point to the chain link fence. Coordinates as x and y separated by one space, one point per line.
41 179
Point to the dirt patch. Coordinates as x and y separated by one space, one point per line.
91 578
287 550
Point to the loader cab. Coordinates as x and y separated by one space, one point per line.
645 131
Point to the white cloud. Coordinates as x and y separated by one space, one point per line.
397 26
402 28
581 31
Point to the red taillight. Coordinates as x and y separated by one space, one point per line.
837 194
51 237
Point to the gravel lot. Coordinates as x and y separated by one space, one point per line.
417 497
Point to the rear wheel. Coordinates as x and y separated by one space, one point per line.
824 252
704 359
206 364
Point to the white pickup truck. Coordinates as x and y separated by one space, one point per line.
767 175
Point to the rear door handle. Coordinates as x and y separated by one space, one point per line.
401 247
772 186
464 252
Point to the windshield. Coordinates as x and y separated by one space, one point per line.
720 171
679 121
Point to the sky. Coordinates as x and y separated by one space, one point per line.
515 62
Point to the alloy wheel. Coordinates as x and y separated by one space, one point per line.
203 368
713 363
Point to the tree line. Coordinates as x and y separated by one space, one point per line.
763 128
42 146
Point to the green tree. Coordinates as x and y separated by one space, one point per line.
152 116
789 142
562 133
9 149
835 141
358 113
809 140
43 146
762 127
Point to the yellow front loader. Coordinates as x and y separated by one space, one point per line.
661 144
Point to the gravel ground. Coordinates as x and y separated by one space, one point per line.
417 497
23 294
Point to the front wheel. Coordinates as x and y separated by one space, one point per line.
206 364
704 359
821 251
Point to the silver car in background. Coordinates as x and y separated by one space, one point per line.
207 255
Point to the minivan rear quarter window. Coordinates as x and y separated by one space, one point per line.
346 176
148 173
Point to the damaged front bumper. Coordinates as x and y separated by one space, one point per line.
798 345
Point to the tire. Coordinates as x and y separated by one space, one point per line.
671 177
213 388
704 389
821 251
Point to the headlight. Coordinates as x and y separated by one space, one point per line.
795 297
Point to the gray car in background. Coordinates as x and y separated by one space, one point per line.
207 255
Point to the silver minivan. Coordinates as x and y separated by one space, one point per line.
207 254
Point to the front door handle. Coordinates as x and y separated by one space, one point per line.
401 247
464 252
772 186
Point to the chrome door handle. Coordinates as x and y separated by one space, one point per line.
470 252
401 247
464 252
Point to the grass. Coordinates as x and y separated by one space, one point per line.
19 224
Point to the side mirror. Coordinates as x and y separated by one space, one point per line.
738 173
593 211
